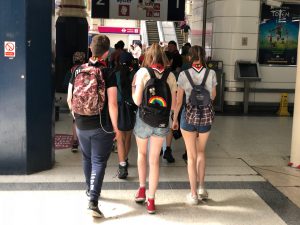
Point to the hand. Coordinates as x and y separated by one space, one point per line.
175 125
117 134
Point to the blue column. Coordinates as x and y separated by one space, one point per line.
26 87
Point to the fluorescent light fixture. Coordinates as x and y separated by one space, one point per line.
274 3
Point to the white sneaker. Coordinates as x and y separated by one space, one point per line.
191 200
203 194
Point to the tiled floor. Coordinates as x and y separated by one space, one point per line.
246 176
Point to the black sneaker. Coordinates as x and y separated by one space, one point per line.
184 156
74 148
94 210
168 155
122 172
127 163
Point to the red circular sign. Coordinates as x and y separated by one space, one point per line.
9 47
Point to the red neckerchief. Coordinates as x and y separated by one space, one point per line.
197 67
158 67
95 61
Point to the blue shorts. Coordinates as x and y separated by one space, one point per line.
144 131
189 127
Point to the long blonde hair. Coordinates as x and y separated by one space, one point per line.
155 55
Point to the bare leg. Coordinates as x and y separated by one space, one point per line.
155 146
169 138
190 144
142 160
121 147
127 143
201 144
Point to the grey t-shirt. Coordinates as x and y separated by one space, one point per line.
197 77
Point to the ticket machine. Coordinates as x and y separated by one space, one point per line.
247 72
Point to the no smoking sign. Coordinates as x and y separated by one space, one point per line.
10 49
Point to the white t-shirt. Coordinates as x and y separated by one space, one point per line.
136 52
197 77
142 76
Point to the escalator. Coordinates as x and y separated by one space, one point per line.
152 32
179 36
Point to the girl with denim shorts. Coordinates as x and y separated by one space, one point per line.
195 136
144 133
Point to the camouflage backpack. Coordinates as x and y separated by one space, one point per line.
88 90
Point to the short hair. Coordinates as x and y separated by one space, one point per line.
120 44
78 58
187 44
99 45
185 50
172 43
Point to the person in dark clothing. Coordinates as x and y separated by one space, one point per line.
78 60
186 30
177 61
96 132
115 55
176 64
124 80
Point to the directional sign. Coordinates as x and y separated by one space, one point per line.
119 30
10 49
164 10
100 8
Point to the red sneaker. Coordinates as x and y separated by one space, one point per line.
151 206
140 196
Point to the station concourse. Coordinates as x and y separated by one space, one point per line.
252 158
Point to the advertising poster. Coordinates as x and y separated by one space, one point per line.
278 35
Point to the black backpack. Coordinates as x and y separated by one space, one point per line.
199 96
157 100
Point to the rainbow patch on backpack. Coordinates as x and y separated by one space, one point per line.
157 100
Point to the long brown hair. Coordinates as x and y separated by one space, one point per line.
155 55
196 53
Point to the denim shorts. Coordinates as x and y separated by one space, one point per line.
189 127
144 131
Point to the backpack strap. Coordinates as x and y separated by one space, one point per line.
166 74
205 77
73 69
188 75
151 72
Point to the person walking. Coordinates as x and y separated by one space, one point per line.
92 99
115 55
78 60
186 30
176 64
127 111
196 121
136 49
152 127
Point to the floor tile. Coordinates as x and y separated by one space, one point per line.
233 207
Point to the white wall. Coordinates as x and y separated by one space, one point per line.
233 20
169 31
